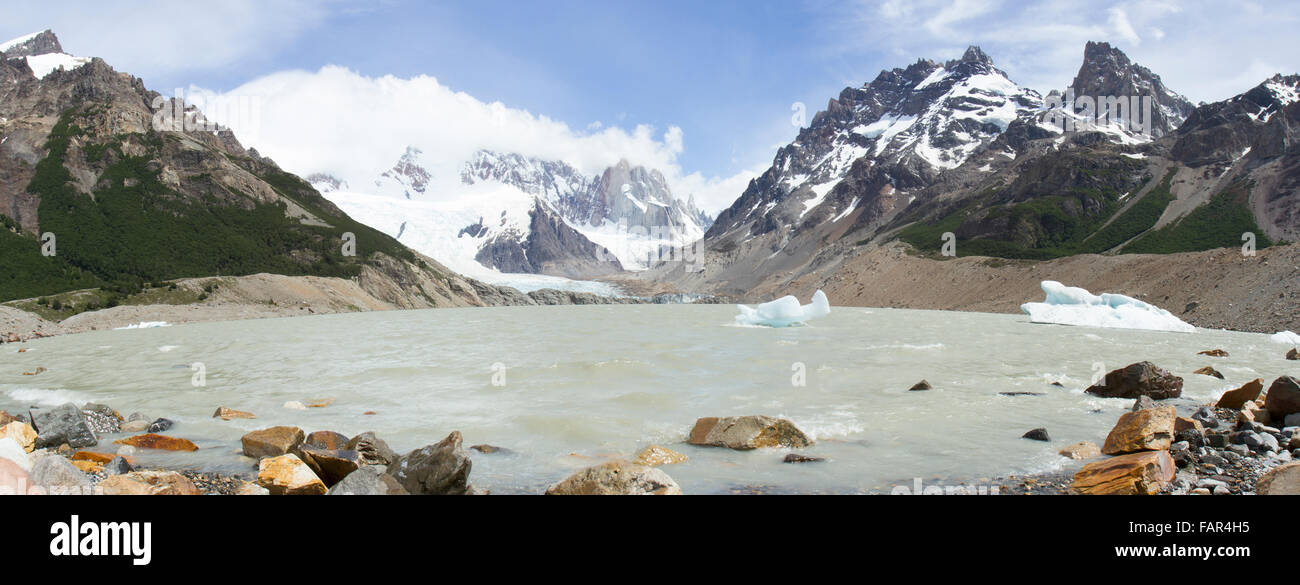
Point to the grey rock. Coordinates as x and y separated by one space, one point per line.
1037 435
62 424
1292 420
372 449
117 466
59 476
371 480
1140 379
1143 403
1222 490
160 425
1205 415
1241 450
102 423
439 469
1261 442
1213 459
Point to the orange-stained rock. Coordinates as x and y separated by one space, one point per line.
1145 430
1237 399
100 458
1183 423
1208 371
288 475
1134 474
272 442
224 413
149 483
88 466
160 442
747 432
1213 353
654 456
22 433
322 403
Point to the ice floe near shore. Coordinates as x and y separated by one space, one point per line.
145 325
1068 305
784 312
1287 337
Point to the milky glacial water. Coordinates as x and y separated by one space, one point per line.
583 384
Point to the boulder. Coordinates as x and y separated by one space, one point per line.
748 432
1283 398
1144 430
1293 355
330 465
326 440
801 458
6 418
159 442
62 424
101 419
272 442
1281 481
1143 473
160 425
1081 451
12 451
616 478
224 413
371 480
1213 353
1143 403
1237 399
1205 415
1208 371
288 475
373 450
1184 424
22 433
135 426
920 386
1037 435
118 465
148 483
439 469
654 456
1140 379
59 476
251 489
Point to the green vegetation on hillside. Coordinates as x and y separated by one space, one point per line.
1219 223
137 229
1139 218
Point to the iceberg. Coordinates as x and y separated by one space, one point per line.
784 312
1286 337
1068 305
145 325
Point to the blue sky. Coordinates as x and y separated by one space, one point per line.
723 72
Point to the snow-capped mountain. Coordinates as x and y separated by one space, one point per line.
42 53
878 143
515 214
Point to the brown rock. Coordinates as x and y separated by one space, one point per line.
330 465
22 433
920 386
224 413
1293 354
617 478
272 442
1237 399
251 489
88 466
747 432
1283 398
288 475
1208 371
321 403
1213 353
373 450
326 440
1081 451
1135 474
654 456
1145 430
161 442
149 483
100 458
1281 481
1183 423
1140 379
6 418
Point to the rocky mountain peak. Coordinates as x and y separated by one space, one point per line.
1108 72
32 45
974 58
408 174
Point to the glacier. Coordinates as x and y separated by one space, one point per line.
1068 305
1287 337
784 312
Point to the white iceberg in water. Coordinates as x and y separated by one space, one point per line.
1286 337
1068 305
784 312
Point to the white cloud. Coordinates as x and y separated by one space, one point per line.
338 121
1121 27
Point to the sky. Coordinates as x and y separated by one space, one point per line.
704 91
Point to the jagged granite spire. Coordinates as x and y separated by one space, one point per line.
1107 71
41 43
